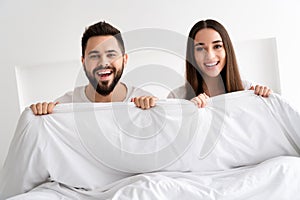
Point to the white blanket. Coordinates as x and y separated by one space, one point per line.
172 151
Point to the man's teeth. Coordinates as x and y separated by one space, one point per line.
103 73
211 64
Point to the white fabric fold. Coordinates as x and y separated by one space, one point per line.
95 151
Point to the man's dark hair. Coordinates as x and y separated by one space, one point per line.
101 29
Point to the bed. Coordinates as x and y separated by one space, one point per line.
241 146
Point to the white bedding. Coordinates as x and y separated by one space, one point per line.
238 147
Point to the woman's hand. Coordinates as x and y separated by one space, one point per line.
263 91
144 102
200 100
43 108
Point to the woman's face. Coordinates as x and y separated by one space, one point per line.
209 52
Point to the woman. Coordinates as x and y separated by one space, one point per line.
211 66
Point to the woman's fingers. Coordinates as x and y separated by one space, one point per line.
200 100
263 91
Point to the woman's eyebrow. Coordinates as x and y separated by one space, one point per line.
199 44
217 41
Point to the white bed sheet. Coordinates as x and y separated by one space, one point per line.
89 151
276 179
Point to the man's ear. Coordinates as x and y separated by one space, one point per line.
125 57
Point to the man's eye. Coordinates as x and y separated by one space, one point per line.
111 55
94 56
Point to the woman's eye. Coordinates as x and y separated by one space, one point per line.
199 48
218 46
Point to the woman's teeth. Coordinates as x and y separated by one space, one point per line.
211 64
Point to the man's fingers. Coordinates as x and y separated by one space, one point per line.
33 108
51 105
144 102
136 102
153 101
44 108
39 108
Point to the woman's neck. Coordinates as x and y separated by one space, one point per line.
214 86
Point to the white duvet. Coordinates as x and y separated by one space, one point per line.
241 146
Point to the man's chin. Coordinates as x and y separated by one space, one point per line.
103 92
104 89
105 84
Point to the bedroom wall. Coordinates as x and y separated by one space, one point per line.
35 32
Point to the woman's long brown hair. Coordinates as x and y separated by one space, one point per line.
230 73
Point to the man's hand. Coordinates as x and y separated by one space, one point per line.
144 102
43 108
200 100
263 91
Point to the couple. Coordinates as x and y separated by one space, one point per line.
211 69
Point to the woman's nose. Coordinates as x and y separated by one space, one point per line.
210 53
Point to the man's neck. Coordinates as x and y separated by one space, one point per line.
117 95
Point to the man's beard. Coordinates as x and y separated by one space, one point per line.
104 88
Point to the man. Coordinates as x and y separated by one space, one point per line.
103 60
30 165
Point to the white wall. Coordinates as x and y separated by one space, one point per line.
37 32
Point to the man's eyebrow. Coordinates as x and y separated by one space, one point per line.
94 51
108 51
111 51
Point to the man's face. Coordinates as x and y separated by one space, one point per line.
103 63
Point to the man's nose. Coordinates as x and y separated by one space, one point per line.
103 61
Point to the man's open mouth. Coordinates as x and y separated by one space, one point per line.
104 73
